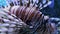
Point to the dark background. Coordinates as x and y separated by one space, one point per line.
53 10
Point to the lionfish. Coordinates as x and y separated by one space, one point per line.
29 13
37 21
